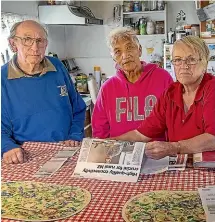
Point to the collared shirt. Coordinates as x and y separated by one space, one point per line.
169 113
14 72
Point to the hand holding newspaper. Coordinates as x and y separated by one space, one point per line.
121 161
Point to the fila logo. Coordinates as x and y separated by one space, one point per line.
132 110
63 90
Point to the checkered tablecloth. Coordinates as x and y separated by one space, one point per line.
108 197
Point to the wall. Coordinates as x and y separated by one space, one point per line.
20 7
87 44
187 6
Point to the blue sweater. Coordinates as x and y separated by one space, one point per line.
45 108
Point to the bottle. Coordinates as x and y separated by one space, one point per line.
7 55
103 78
136 28
2 58
97 74
92 87
170 36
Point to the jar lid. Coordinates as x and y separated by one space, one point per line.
187 27
97 68
194 25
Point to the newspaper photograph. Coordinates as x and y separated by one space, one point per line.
110 160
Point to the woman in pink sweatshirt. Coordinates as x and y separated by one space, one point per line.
126 99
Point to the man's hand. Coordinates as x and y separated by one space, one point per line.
16 155
157 150
71 143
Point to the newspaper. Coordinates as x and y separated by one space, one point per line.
208 202
110 160
56 162
168 163
178 162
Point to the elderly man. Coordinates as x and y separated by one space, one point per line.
39 102
128 97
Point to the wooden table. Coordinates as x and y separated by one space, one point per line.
108 197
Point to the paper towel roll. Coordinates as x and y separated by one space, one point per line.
93 89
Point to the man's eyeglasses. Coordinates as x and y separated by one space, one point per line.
27 41
188 61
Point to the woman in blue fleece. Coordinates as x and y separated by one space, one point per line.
39 102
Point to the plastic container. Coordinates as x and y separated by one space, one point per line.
97 74
93 88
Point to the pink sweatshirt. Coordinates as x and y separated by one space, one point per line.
121 106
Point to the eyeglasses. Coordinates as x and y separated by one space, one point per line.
188 61
27 41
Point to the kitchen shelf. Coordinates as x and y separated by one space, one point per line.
143 12
152 36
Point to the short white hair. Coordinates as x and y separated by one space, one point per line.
122 33
17 24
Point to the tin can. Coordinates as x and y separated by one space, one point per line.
136 6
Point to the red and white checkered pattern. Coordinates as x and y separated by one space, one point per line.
108 197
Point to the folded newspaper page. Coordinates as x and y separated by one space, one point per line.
168 163
208 202
110 160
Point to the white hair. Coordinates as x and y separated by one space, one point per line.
15 26
122 33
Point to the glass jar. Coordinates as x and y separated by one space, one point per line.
160 5
159 27
187 29
144 6
150 28
128 6
153 5
195 29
